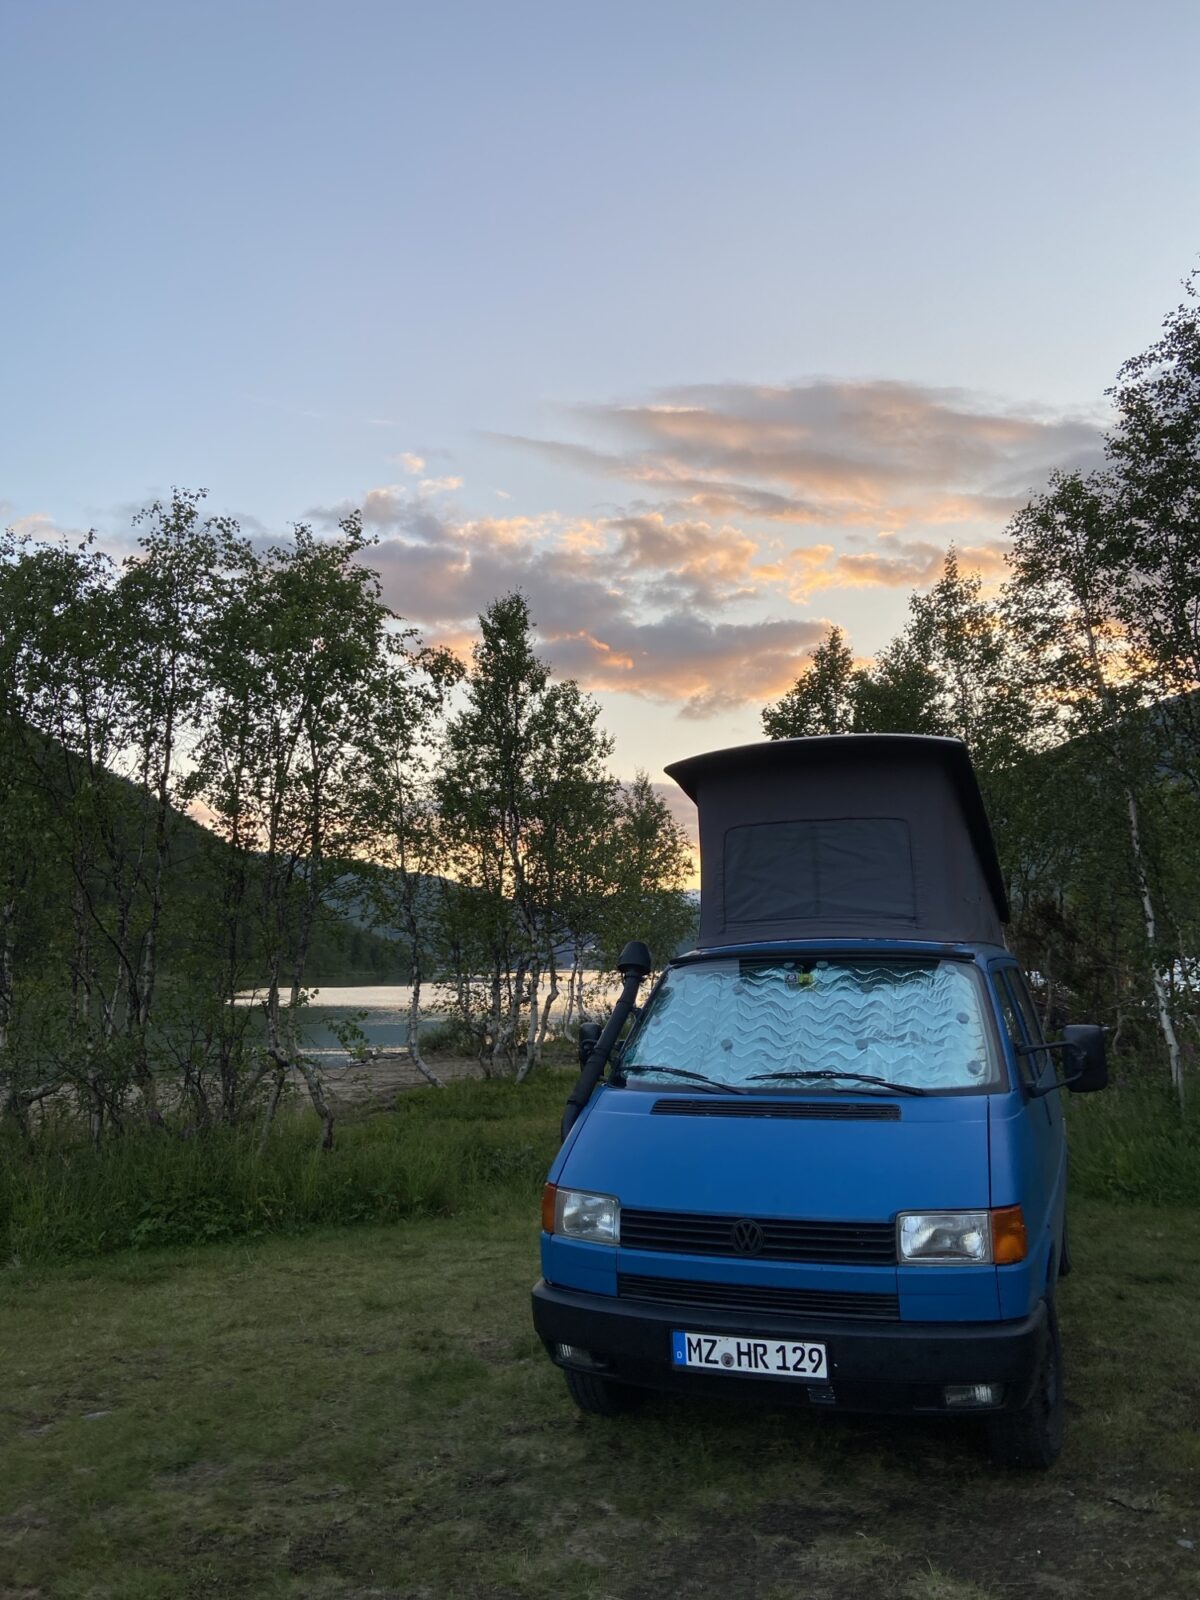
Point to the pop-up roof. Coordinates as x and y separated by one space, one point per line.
845 836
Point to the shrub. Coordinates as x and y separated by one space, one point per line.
1132 1143
471 1145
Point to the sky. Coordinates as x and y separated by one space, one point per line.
705 325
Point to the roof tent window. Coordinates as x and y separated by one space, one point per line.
823 868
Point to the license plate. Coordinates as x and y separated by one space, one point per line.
766 1358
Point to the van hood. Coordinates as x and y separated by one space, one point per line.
927 1153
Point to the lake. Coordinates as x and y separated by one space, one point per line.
381 1011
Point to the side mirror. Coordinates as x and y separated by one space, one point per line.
1087 1062
589 1033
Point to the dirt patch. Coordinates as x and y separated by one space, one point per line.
377 1082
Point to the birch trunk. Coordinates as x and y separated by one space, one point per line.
536 1025
1162 1001
507 1032
488 1060
414 1037
316 1093
574 987
272 1107
551 996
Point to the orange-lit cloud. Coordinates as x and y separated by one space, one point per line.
878 453
696 614
692 596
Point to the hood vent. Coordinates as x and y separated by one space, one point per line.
804 1110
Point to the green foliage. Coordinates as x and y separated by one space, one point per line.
1132 1144
472 1145
823 699
454 1036
1077 690
555 865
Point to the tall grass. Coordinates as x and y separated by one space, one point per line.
1133 1143
470 1145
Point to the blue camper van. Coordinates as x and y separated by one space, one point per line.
827 1163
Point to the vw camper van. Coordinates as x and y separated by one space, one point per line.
826 1162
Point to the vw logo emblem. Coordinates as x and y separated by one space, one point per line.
747 1237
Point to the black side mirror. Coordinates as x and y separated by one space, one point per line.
1087 1063
589 1033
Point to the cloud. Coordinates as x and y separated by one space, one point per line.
878 453
40 527
606 599
411 463
695 564
692 594
36 525
704 666
895 564
698 614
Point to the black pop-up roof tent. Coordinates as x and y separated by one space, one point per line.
844 836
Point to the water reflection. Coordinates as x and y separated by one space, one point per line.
381 1012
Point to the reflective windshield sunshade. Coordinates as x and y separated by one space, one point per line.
912 1022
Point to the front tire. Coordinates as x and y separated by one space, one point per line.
1033 1436
600 1397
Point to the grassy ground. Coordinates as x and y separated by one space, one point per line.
365 1413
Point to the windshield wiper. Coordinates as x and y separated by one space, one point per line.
829 1076
713 1085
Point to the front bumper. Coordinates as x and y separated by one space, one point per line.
900 1367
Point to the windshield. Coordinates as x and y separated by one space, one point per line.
913 1023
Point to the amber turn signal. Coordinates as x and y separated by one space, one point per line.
549 1195
1010 1242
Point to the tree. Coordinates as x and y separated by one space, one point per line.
1154 543
651 861
408 844
521 785
288 762
822 700
1071 568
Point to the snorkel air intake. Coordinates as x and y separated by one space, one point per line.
634 965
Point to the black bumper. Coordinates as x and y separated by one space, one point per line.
895 1367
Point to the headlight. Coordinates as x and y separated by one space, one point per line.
943 1237
579 1214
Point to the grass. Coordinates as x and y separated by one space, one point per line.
365 1413
299 1410
464 1147
467 1147
1132 1143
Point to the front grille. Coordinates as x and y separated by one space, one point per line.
794 1110
862 1244
757 1297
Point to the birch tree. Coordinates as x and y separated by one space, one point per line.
1070 564
408 843
521 783
286 764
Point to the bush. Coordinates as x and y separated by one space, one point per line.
467 1146
1132 1143
451 1037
